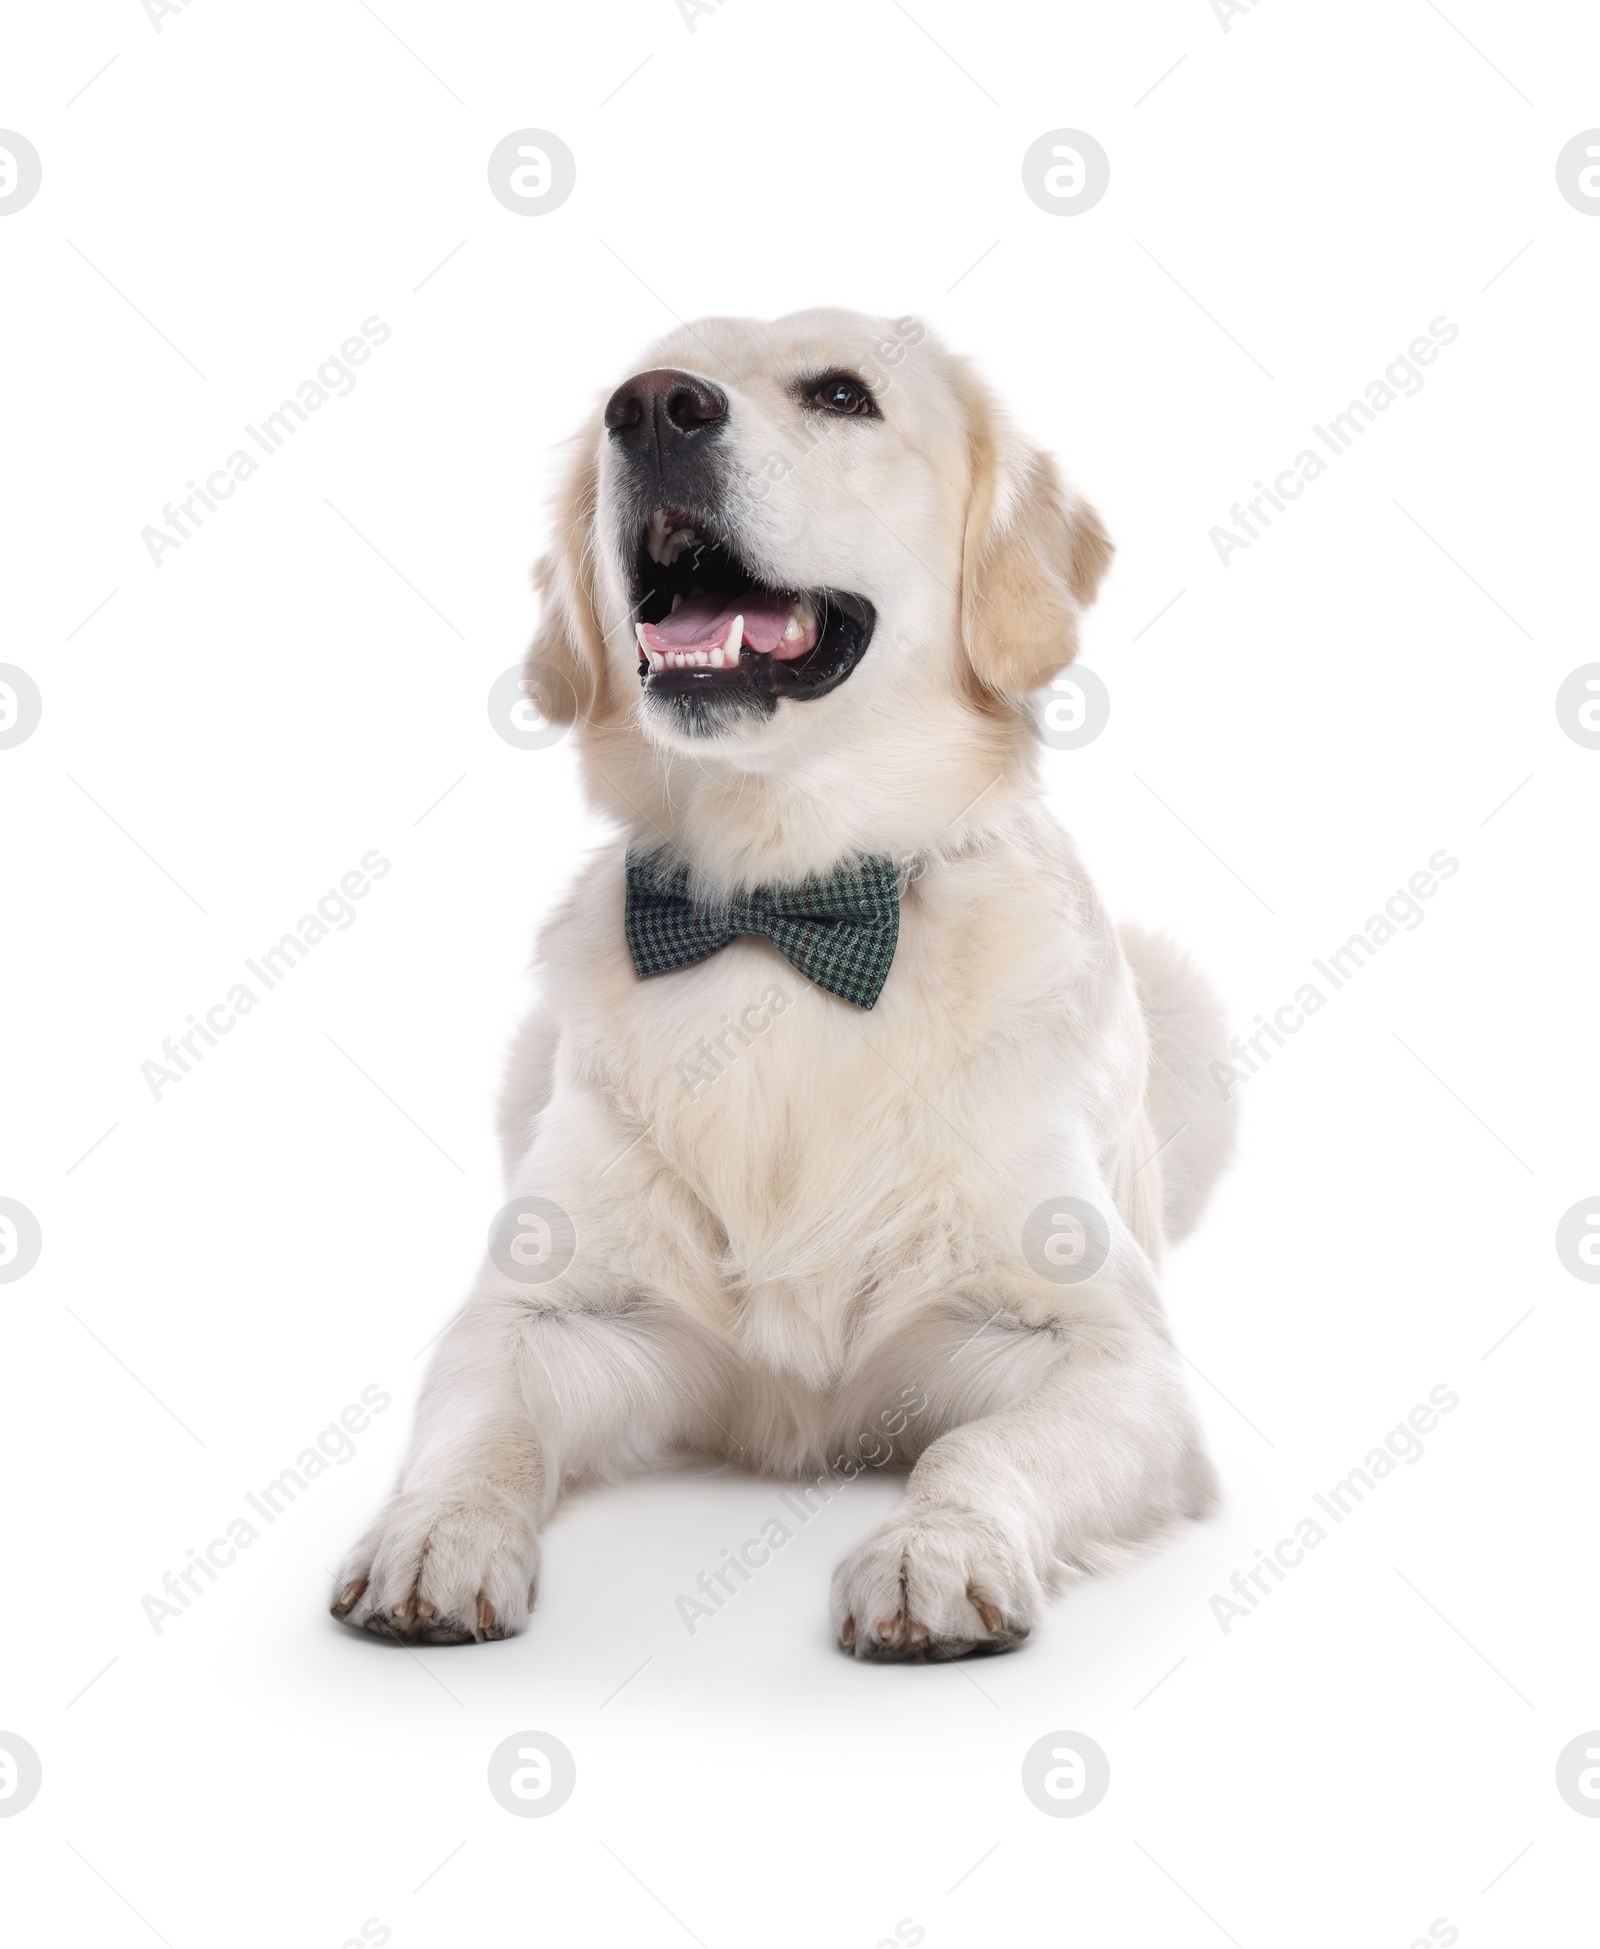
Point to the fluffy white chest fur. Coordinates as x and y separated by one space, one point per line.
787 1223
805 1177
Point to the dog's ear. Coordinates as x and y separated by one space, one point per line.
1032 559
566 661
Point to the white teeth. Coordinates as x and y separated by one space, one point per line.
734 641
792 631
675 601
804 614
638 630
701 659
657 660
716 658
664 542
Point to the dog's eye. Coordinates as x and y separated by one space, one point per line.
847 397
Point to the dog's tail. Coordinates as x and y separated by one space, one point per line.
1194 1125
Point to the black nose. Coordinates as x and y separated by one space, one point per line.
663 409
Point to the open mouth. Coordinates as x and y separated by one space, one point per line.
710 629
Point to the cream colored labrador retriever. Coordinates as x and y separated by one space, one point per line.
846 1117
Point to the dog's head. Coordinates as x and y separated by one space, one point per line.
822 521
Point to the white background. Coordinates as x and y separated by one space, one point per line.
226 735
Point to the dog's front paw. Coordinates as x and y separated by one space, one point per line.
437 1570
935 1583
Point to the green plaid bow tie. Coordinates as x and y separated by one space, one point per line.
839 930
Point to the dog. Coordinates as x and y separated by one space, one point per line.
846 1113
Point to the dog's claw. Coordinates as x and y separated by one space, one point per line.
485 1614
848 1634
990 1613
916 1633
349 1597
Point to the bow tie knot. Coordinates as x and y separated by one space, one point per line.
839 929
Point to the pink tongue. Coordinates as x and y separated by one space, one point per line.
702 622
